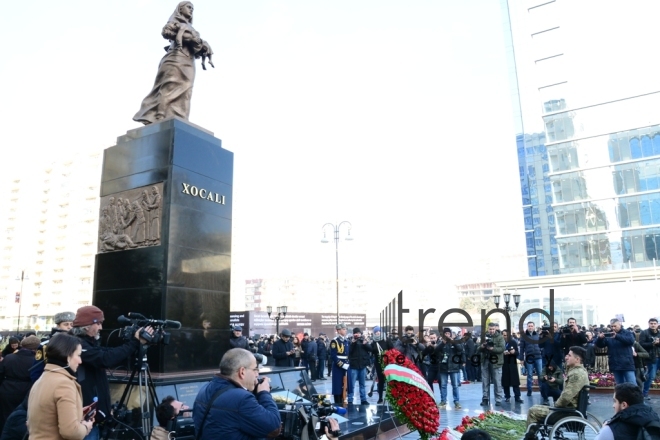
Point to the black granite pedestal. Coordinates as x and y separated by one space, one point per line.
183 274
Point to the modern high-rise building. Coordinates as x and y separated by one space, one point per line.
49 240
587 115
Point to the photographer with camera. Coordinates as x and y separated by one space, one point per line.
448 357
619 345
410 347
491 352
571 335
236 404
91 374
650 340
359 358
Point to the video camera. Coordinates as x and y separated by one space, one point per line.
299 420
137 320
489 341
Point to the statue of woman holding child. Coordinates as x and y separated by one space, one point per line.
172 90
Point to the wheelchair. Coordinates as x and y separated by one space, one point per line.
568 423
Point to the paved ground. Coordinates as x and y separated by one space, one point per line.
601 403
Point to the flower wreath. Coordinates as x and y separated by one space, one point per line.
410 395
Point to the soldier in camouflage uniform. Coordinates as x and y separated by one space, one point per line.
576 379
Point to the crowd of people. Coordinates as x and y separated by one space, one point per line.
62 376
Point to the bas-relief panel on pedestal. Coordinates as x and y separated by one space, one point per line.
131 219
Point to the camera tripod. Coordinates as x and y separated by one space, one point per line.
147 398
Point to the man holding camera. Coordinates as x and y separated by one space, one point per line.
91 373
650 340
359 358
448 356
410 347
620 357
572 335
491 352
236 404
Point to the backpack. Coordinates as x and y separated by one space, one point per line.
650 431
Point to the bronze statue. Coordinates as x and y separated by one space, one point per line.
172 89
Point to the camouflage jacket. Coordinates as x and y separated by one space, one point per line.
576 379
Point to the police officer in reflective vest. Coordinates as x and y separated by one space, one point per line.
339 356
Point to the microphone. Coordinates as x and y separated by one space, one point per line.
340 410
172 324
122 320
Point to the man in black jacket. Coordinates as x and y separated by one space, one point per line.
380 345
237 340
572 335
630 415
359 357
650 340
91 373
283 352
449 358
322 352
311 355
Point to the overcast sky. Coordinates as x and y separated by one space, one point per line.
394 115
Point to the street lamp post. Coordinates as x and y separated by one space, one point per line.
20 301
507 300
281 313
336 229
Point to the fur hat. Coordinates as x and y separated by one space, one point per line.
64 317
340 326
31 343
88 315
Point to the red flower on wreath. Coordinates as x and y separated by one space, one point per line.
412 405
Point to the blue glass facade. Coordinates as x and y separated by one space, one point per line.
536 190
588 156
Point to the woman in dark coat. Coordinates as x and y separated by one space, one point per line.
510 375
15 380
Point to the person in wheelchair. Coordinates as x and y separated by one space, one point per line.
576 379
630 414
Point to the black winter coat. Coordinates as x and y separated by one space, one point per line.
15 427
359 355
510 373
15 381
453 354
239 342
91 373
646 341
279 353
321 349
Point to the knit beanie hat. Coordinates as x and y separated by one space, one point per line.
88 315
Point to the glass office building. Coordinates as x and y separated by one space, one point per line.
587 113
